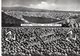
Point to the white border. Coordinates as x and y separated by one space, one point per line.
0 28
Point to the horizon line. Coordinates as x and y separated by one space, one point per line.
43 9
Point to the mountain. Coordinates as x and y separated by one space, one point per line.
35 10
9 21
23 9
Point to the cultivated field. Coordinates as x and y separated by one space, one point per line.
36 41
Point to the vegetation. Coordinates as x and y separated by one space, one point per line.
10 21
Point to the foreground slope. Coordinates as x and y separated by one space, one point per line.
8 21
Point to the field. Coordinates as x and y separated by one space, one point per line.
30 16
39 41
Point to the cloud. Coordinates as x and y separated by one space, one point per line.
20 2
43 5
54 6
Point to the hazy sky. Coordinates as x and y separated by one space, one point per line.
44 4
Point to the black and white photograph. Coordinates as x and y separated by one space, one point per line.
40 28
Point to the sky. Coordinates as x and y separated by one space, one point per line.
69 5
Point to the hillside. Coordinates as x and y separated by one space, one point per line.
23 9
35 10
31 15
40 19
10 21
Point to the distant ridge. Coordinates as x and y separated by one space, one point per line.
34 10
